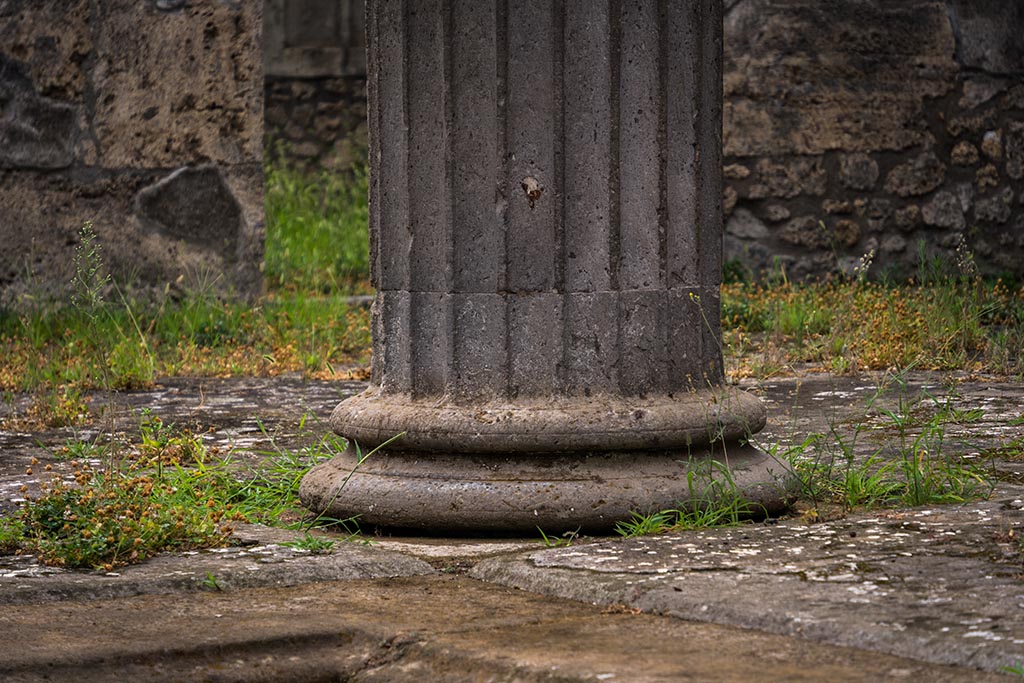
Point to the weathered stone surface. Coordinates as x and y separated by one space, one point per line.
447 629
1015 150
847 232
987 176
804 231
190 91
995 209
964 154
992 144
813 57
837 206
788 179
869 579
988 35
907 217
746 225
312 39
735 172
893 244
192 204
858 171
878 208
36 132
1015 97
965 193
917 177
776 213
97 101
981 89
729 199
53 39
968 123
944 211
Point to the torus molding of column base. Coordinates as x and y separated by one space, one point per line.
549 425
553 492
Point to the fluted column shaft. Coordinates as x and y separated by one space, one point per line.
545 204
546 229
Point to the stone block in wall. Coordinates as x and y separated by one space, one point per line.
53 41
964 154
995 209
992 144
35 131
858 171
804 231
788 178
1015 150
745 225
907 217
194 205
314 38
986 177
978 90
944 211
988 33
919 176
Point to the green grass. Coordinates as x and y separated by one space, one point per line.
164 492
317 235
714 501
60 352
958 322
910 464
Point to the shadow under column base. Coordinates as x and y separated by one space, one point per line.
497 493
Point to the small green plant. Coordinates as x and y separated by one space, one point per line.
1016 668
163 494
119 514
911 465
62 406
714 501
168 444
645 524
210 583
11 533
83 449
562 540
127 362
318 545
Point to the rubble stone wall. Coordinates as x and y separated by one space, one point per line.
855 127
894 129
143 118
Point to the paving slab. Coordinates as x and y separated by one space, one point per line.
938 584
258 559
413 629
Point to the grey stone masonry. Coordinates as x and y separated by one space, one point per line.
546 229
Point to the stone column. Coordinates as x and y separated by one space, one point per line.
546 228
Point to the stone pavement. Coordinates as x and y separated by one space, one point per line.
934 593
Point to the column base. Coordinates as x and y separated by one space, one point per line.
558 492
